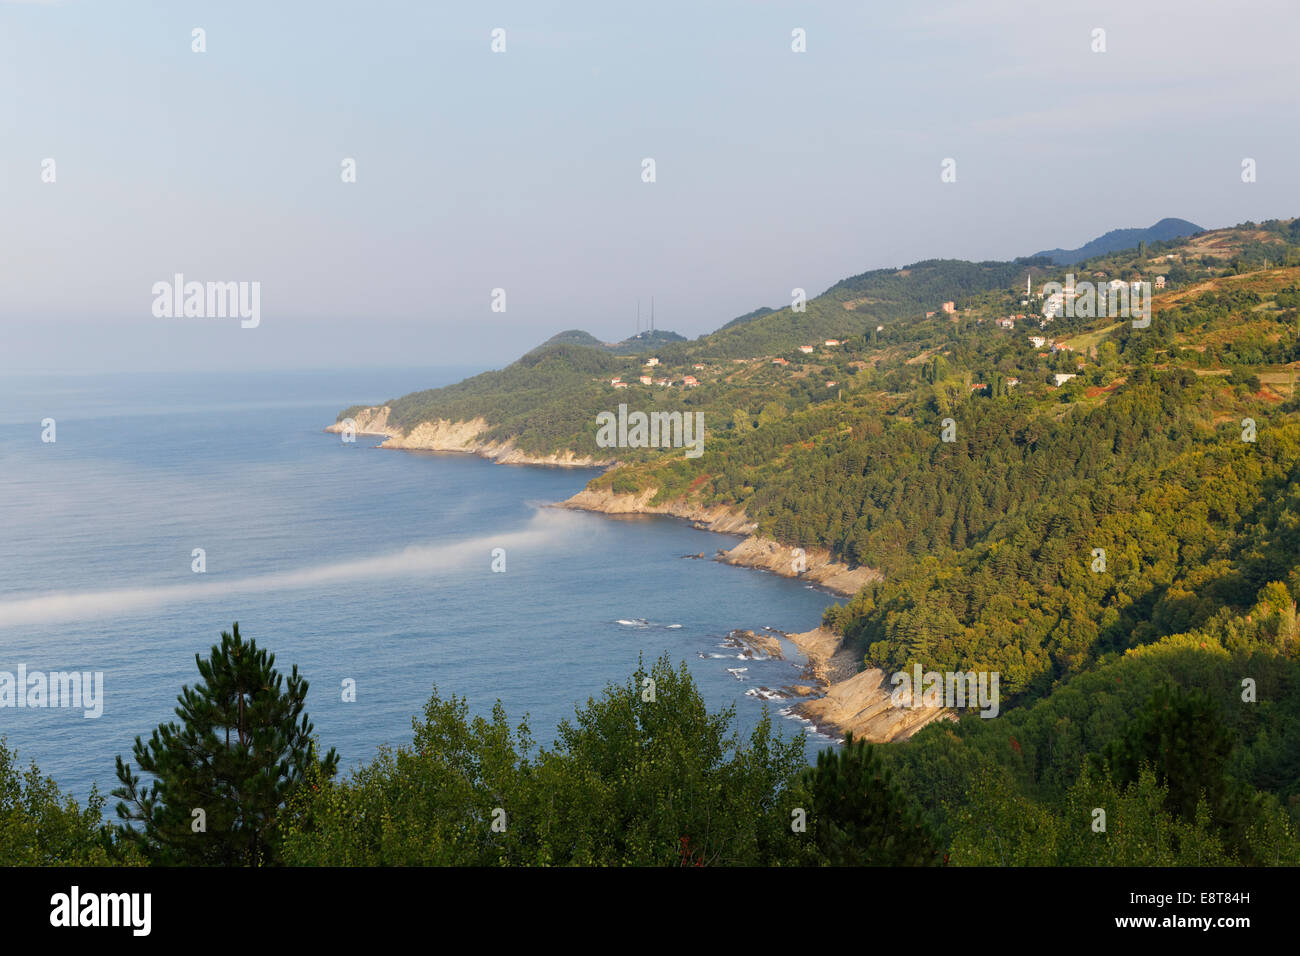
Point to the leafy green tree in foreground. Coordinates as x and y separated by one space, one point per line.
1181 735
39 826
859 818
646 776
643 775
432 803
223 774
1097 823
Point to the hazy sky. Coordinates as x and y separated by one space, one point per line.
522 170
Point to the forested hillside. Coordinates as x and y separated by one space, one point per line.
1104 511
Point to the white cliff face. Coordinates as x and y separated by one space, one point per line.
812 564
368 421
444 435
717 518
852 701
863 705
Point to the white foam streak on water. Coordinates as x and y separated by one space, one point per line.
412 561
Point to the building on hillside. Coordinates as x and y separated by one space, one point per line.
620 384
832 343
1062 377
950 307
780 361
690 381
831 384
1160 282
929 315
698 366
1007 323
615 381
805 349
651 362
1037 341
664 382
647 380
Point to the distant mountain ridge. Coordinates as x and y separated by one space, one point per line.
641 342
1118 239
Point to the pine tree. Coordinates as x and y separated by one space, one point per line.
1181 735
222 775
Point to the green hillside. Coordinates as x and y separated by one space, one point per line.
1172 449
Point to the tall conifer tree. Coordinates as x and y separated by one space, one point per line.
223 773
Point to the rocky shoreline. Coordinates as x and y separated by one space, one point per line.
461 437
813 565
837 699
853 701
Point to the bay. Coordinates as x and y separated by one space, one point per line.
352 562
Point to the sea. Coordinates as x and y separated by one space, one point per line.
166 507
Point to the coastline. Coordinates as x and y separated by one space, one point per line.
841 699
460 437
837 698
813 565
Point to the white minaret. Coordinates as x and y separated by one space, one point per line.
1029 283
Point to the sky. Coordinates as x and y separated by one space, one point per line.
522 170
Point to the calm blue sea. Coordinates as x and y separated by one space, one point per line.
346 560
